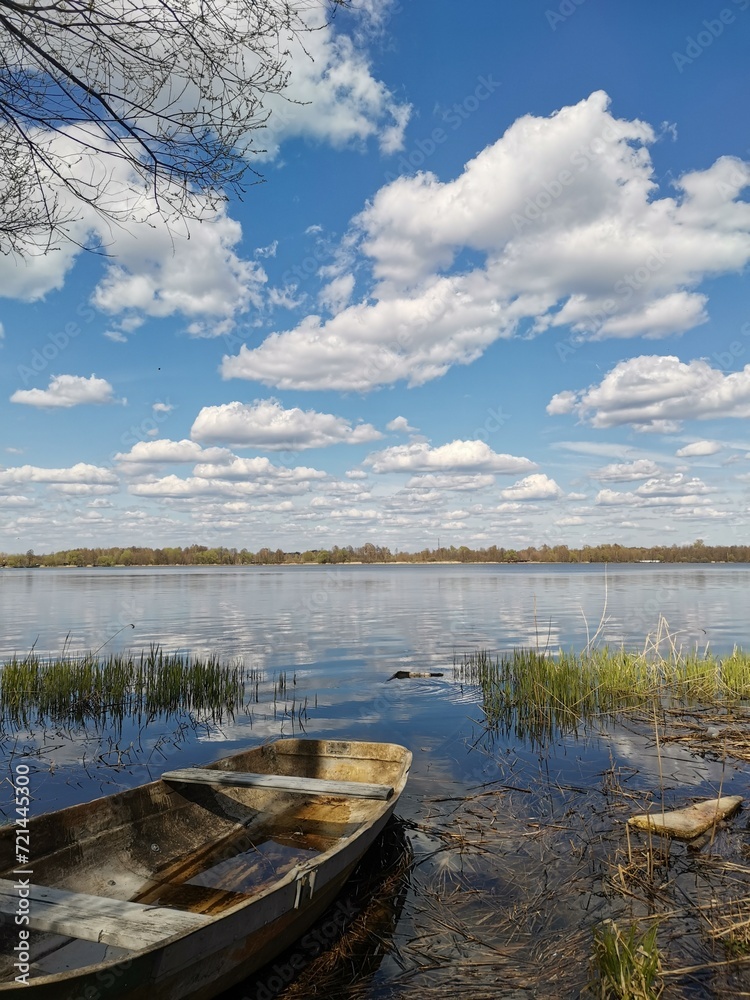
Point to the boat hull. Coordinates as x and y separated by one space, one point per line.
244 931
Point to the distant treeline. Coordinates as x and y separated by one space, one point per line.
201 555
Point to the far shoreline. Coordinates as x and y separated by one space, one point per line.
369 554
393 562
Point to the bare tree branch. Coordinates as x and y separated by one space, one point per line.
175 91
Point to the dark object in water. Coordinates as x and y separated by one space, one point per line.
401 675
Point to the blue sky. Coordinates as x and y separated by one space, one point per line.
494 290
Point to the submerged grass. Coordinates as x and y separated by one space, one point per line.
535 695
68 690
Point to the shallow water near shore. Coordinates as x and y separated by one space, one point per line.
514 847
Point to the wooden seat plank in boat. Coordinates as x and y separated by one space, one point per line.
99 918
282 782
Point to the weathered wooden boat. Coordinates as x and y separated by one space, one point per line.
187 885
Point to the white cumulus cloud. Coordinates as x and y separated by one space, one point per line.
164 451
571 229
536 487
266 424
336 294
81 474
655 392
400 425
665 490
239 479
624 472
201 278
458 456
262 469
675 485
158 267
432 482
16 500
611 498
699 449
66 391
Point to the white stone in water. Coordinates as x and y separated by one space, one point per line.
690 822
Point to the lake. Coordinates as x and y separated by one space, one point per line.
337 635
282 616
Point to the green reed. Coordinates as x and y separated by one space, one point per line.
626 964
535 694
68 690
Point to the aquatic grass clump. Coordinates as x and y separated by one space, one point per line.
66 690
626 964
173 682
535 694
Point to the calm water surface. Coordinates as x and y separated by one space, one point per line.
339 634
288 616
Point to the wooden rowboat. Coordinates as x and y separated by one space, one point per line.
187 885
